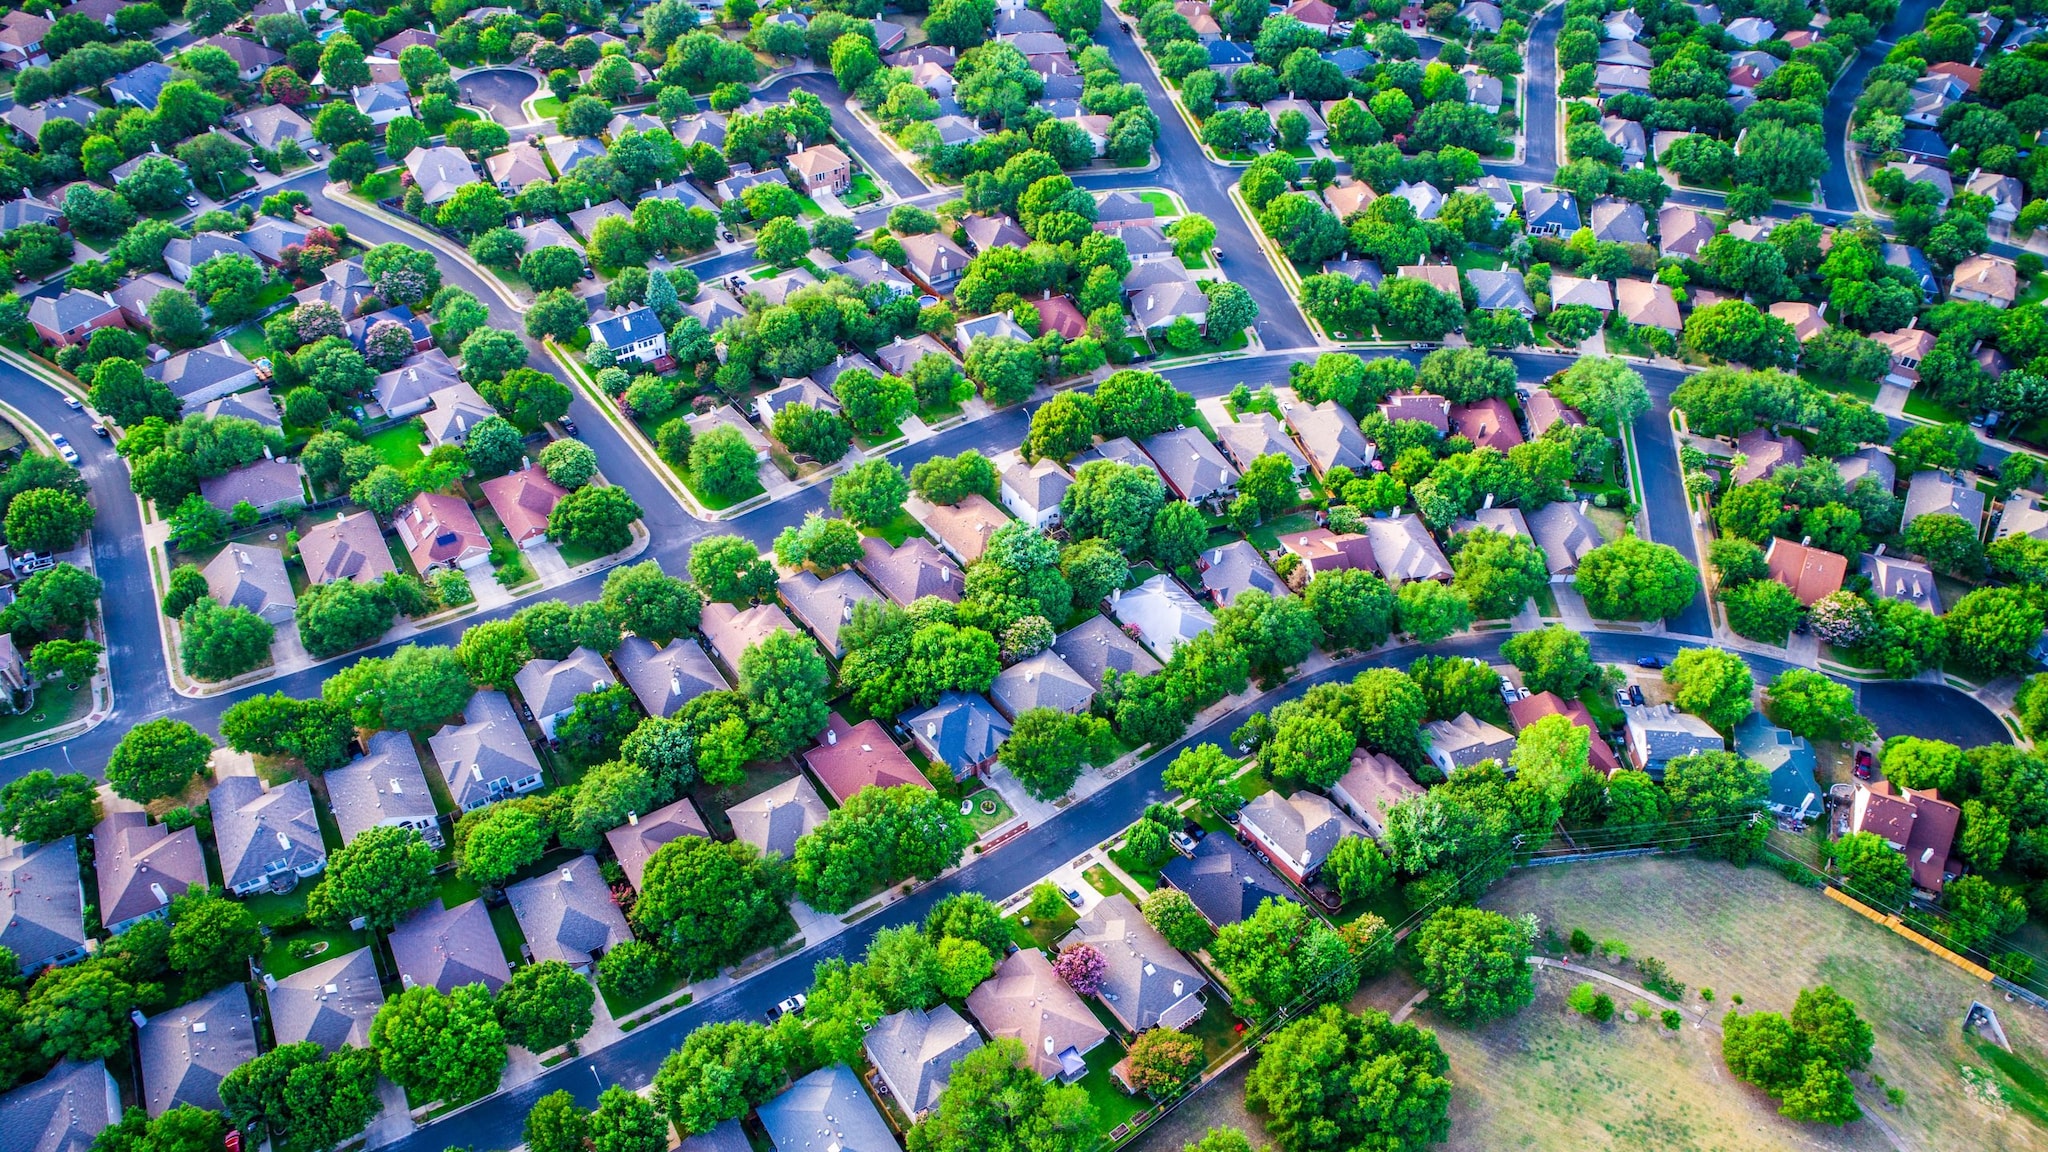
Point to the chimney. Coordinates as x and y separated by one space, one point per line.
568 877
1583 505
163 898
831 736
1489 501
632 819
266 453
675 683
1806 541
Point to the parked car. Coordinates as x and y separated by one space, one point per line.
792 1005
191 201
313 152
1649 662
1865 768
64 449
568 425
73 403
1183 842
100 430
1073 896
1635 695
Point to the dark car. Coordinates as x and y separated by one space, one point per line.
1649 662
1073 896
1635 695
568 426
1864 768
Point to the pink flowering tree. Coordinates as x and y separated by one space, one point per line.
1082 967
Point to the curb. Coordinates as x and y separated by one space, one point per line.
439 245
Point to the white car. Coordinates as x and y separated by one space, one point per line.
792 1005
65 449
73 403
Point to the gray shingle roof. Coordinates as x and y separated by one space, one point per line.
550 687
1163 613
1145 977
1661 732
69 309
1465 740
626 327
252 577
264 483
329 1004
1028 1002
1500 288
1405 549
568 914
1096 646
826 1111
915 1051
42 908
666 678
1305 825
775 820
962 729
443 948
1042 681
486 755
187 1050
136 860
201 372
1224 879
1237 568
414 382
259 831
1929 492
915 568
1256 434
1331 436
825 605
62 1112
1550 207
1190 464
637 840
1566 533
384 786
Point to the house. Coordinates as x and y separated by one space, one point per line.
910 570
1371 787
1567 533
441 531
1810 573
1550 211
1191 466
65 1111
550 687
1118 210
1032 492
447 948
1790 761
1542 409
1060 314
517 167
267 837
821 167
934 259
1236 568
1157 307
1405 549
182 255
1254 434
1805 319
636 841
134 295
1501 288
1096 647
632 334
1917 173
1930 96
1660 733
1750 31
1897 578
345 548
252 577
1764 452
1442 277
1908 347
988 327
1349 197
851 757
72 316
268 126
329 1004
1121 450
1916 822
21 41
1144 244
1682 231
272 239
1622 26
1147 983
1934 492
486 758
409 389
268 485
1647 304
1313 13
1330 435
2005 193
1322 550
1434 411
955 131
341 285
1873 463
1028 1002
825 605
828 1108
1223 880
732 631
1626 135
569 915
962 731
1465 740
1488 422
1924 145
385 787
899 355
29 120
962 529
523 501
1529 709
1595 294
42 905
1484 91
140 86
142 867
384 102
1986 279
1493 518
828 376
775 820
666 678
1162 612
1296 832
204 373
914 1051
186 1052
1041 681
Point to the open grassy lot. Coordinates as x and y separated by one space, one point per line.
1547 1081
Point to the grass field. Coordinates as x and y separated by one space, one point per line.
1547 1081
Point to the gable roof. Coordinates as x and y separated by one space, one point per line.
1932 492
329 1004
188 1050
732 630
828 1109
1041 681
1488 422
774 820
188 374
142 866
1146 981
1465 740
254 827
850 757
1918 822
550 687
1028 1002
1405 549
1256 434
42 909
1223 880
1322 550
487 747
963 528
914 1051
1897 578
1648 303
636 841
524 499
384 785
1810 573
445 948
1096 645
264 483
439 529
825 605
1619 221
1239 567
962 729
1662 732
1375 783
345 548
70 309
62 1112
1163 613
1529 709
252 577
1330 435
1501 288
568 913
910 570
1190 464
1432 410
666 678
1553 207
1304 825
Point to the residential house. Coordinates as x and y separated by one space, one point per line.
1908 347
1986 279
1750 31
1550 211
341 285
934 259
1227 56
29 120
1501 288
141 85
1147 983
1543 409
1162 612
569 915
826 605
1041 681
345 548
1117 210
1122 450
821 167
1465 740
1191 466
486 757
1371 787
1617 221
1157 307
133 295
776 819
1484 91
409 389
1493 518
1929 97
1365 272
1145 244
666 678
441 531
1874 463
1682 231
21 41
1906 256
142 867
1529 709
1628 136
1296 832
1764 452
1349 197
636 841
1236 568
1933 492
383 788
1405 549
42 904
1488 422
1660 733
2005 193
384 102
1032 492
962 731
1566 532
851 757
1322 550
1096 646
517 167
987 327
329 1004
962 529
550 687
1595 294
914 1051
1223 880
447 948
1621 26
1790 761
1810 573
955 130
1897 578
1916 822
523 501
827 1108
732 631
252 577
1254 434
1315 14
1027 1001
1442 277
255 407
72 316
1805 319
1916 172
268 126
205 373
911 570
66 1110
1434 411
1648 304
187 1051
266 837
633 334
802 390
1331 437
271 239
1924 145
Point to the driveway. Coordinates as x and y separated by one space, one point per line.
499 91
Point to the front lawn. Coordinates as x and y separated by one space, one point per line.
984 822
380 185
547 108
287 953
1100 879
1147 875
55 706
1267 535
897 530
863 191
1925 407
1042 933
1161 203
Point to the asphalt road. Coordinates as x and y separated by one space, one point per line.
1539 118
499 91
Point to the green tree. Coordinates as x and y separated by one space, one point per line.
1475 964
1763 610
1280 956
786 682
1632 578
596 518
870 493
1204 774
1169 911
1497 572
42 806
157 758
212 938
440 1046
1552 659
1333 1080
1872 870
709 904
993 1099
322 1099
1047 749
47 520
545 1006
220 642
557 1123
494 842
880 836
1816 707
79 1013
380 876
721 1072
1429 611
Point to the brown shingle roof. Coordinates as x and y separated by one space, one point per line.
850 757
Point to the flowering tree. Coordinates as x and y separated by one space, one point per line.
1082 967
388 344
1841 618
317 320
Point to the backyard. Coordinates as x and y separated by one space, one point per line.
1546 1080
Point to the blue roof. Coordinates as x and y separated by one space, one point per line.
962 729
1924 141
1228 52
1225 881
628 327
